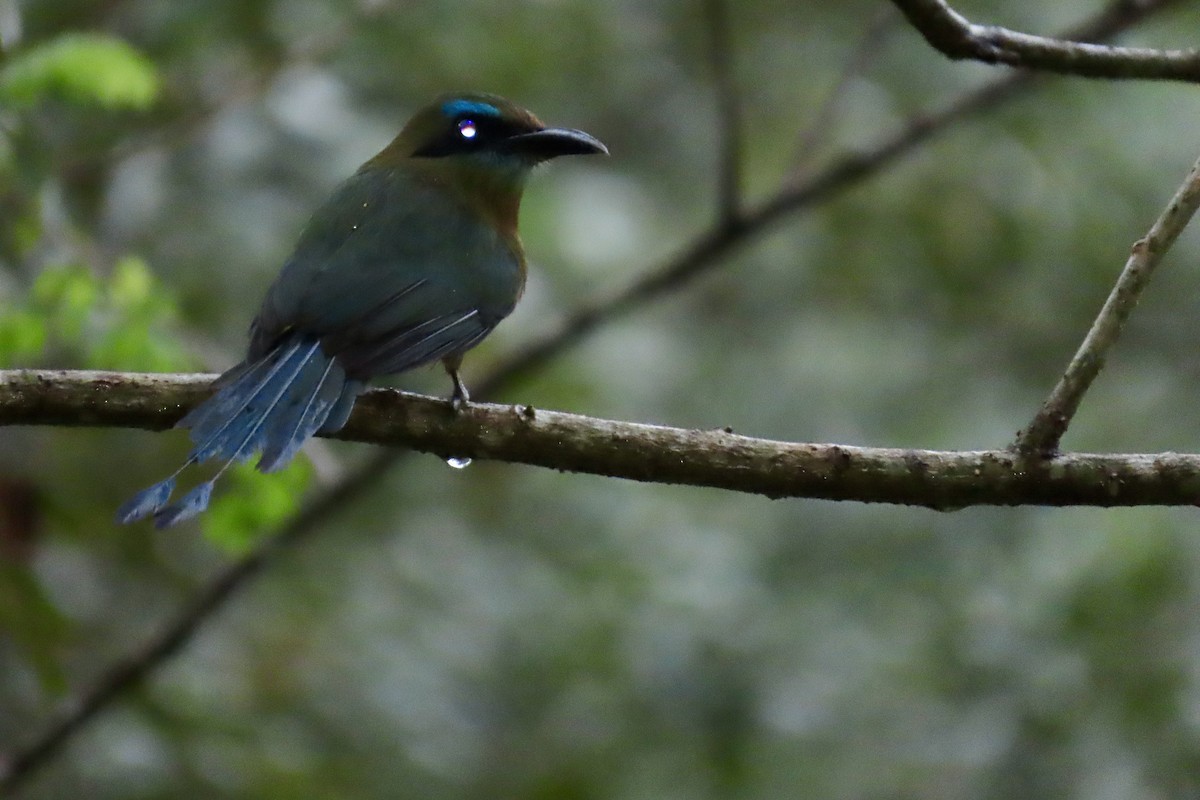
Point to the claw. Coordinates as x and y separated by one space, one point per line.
461 398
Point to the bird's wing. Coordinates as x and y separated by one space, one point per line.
390 274
401 348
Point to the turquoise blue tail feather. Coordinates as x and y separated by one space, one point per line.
270 406
414 259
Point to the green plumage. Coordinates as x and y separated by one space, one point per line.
415 258
388 254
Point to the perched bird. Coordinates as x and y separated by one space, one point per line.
415 258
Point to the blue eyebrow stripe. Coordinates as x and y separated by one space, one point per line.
454 108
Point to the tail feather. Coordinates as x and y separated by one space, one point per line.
290 427
342 407
272 405
241 407
146 502
186 507
234 390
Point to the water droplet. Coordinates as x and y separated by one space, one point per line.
459 462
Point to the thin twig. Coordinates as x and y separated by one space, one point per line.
958 38
821 123
710 248
729 153
1043 434
672 275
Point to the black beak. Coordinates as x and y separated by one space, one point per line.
553 142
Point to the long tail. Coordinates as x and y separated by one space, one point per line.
271 406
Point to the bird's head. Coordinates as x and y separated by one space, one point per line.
488 132
480 147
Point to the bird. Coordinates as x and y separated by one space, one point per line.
414 259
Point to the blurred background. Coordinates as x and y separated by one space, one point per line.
503 631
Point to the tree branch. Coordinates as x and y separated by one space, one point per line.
1043 434
650 453
821 123
959 38
19 764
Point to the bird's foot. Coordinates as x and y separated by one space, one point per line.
461 398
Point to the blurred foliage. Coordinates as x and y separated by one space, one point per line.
256 505
35 625
82 69
123 323
502 631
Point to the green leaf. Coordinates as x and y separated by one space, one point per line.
254 504
121 323
135 346
125 347
131 283
138 310
83 69
22 336
53 284
67 294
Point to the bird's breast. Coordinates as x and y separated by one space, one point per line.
483 261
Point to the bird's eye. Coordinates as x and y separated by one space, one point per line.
467 129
